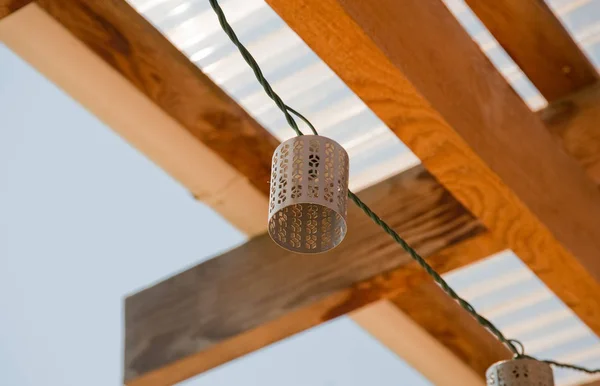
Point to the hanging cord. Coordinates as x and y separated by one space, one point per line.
518 352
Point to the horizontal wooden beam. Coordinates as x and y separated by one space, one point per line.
258 293
537 41
7 7
140 53
421 73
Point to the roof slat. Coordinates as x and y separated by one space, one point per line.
537 41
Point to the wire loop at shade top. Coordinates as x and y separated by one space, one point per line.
309 194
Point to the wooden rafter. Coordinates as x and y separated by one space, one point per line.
536 40
426 304
449 105
134 115
139 52
8 7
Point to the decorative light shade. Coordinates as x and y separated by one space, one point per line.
309 193
520 372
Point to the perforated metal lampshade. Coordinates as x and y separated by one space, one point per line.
309 192
520 372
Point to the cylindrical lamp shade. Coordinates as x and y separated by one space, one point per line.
309 193
520 372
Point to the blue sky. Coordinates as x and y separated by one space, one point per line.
84 221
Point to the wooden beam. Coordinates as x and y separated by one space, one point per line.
537 41
139 52
428 306
574 122
258 294
7 7
592 383
415 346
421 73
63 59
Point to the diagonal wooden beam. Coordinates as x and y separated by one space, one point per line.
420 72
426 305
7 7
573 120
133 47
54 52
537 41
406 338
258 293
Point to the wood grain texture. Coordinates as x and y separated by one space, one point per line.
7 7
537 41
355 297
415 346
258 293
428 306
131 45
420 72
575 122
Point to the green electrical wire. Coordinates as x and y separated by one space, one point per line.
519 353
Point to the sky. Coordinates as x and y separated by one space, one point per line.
85 219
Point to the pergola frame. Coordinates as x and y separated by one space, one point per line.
493 175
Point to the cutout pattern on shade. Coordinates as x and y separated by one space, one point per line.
309 190
520 372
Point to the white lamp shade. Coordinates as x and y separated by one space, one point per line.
309 193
